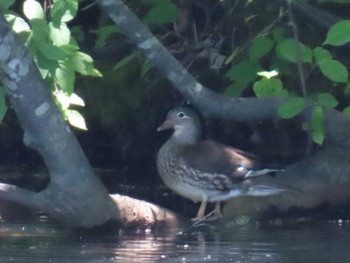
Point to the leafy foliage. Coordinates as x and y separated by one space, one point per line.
55 50
162 12
339 34
286 51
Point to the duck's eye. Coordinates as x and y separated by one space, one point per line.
181 115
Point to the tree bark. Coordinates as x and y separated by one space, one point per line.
308 183
74 194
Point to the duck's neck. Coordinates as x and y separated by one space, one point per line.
186 134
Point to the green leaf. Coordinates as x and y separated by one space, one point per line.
3 106
268 87
76 119
322 54
346 111
287 49
124 61
317 123
44 63
232 56
60 35
104 33
162 13
18 24
32 9
242 74
70 49
244 71
339 34
63 11
146 67
327 100
334 70
260 47
347 89
77 33
51 52
290 108
65 76
83 64
268 74
40 30
66 100
235 89
5 4
278 34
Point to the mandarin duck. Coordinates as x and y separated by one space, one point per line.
204 170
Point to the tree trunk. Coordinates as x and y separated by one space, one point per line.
74 194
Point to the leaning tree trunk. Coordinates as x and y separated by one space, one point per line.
74 194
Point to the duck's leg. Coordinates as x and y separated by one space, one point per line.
201 211
216 213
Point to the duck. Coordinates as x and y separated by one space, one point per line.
204 170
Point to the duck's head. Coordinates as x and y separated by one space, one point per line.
186 125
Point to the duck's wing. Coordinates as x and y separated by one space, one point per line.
214 158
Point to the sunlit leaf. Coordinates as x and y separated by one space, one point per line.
18 24
67 100
63 10
60 35
76 119
32 9
268 74
83 64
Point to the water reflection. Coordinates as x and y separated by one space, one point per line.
46 241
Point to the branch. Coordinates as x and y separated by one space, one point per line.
18 195
68 195
208 102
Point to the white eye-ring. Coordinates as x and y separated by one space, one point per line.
181 115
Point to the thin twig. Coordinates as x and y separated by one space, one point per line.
301 76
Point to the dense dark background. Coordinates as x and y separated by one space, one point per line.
123 110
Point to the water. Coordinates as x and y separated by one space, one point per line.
42 240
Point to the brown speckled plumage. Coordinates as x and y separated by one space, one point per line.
204 171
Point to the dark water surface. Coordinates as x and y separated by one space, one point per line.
45 241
